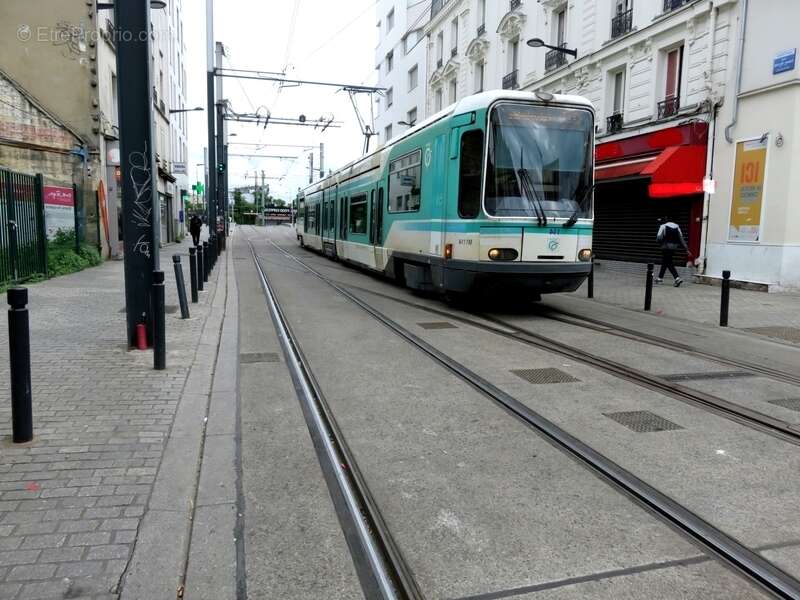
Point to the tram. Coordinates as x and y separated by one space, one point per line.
492 195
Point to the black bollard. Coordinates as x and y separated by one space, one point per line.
725 299
590 284
206 261
19 346
176 263
648 287
159 325
201 266
193 273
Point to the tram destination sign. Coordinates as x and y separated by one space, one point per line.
275 213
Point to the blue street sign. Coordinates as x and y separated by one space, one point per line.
784 61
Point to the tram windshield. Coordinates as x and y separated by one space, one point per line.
540 162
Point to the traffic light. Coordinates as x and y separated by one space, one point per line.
220 168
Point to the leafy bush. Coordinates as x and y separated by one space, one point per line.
62 258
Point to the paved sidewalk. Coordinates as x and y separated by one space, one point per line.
775 315
72 501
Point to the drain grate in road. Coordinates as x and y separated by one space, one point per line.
437 325
790 403
790 334
701 376
642 421
544 376
258 357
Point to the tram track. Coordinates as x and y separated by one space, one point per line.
741 558
381 568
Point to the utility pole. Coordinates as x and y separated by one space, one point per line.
322 160
211 189
310 167
220 152
137 163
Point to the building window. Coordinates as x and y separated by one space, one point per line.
390 61
622 22
470 175
387 133
480 69
513 55
405 175
453 90
561 26
438 100
439 49
389 97
618 94
411 117
410 41
358 214
454 37
390 21
413 78
672 84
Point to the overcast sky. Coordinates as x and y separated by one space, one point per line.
328 40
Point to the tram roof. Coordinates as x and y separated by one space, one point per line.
465 105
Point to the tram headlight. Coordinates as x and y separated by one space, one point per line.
503 254
585 255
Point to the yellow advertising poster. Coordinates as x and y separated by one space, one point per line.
748 191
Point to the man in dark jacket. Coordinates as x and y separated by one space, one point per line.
195 225
669 239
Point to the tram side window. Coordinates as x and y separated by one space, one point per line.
470 176
358 214
310 219
317 219
405 175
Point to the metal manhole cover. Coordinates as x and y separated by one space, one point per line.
701 376
642 421
544 376
790 403
790 334
259 357
437 325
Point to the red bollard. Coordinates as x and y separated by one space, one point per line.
141 336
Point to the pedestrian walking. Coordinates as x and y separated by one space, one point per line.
195 226
670 239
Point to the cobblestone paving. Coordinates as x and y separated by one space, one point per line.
71 501
695 302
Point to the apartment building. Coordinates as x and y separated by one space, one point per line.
664 78
400 64
65 61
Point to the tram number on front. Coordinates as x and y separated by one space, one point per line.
465 242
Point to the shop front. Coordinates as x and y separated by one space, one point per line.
642 179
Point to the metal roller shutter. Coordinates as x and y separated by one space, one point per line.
626 221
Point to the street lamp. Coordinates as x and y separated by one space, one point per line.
183 110
539 43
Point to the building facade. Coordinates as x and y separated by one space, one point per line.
65 60
664 78
400 65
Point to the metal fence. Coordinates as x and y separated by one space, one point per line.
23 240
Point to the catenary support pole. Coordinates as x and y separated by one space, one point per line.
648 287
193 273
725 299
159 324
140 203
219 53
19 347
176 263
590 282
211 113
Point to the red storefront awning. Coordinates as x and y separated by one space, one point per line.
675 171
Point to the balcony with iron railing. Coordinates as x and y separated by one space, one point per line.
673 4
510 81
614 123
622 23
668 107
515 4
555 58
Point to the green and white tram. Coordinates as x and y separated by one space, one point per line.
492 194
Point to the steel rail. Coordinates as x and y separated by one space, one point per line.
754 419
654 340
392 579
745 561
